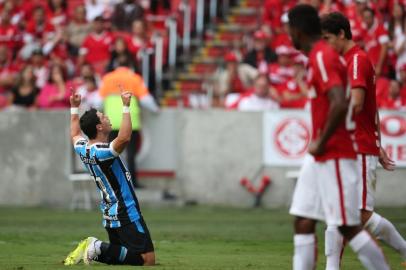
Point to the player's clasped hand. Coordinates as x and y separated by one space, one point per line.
75 98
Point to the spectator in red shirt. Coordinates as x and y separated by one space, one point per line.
38 27
376 41
9 34
57 12
8 70
161 9
96 46
353 12
235 78
19 10
282 71
139 38
283 38
293 93
273 11
391 94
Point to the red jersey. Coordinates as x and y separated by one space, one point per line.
374 38
97 47
39 30
273 11
280 74
327 70
361 74
10 36
282 39
290 88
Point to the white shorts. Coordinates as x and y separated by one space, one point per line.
328 191
367 165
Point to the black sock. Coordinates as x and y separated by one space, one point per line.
116 254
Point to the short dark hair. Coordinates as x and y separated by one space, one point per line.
306 19
88 123
335 22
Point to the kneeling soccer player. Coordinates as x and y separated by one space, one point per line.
130 241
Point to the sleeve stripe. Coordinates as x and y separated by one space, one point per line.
80 141
322 68
113 151
355 67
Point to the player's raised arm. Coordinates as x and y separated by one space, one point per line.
124 134
75 100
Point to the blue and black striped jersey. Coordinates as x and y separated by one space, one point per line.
119 203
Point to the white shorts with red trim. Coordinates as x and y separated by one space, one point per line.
367 165
328 191
306 200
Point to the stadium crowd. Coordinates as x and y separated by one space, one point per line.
378 26
47 47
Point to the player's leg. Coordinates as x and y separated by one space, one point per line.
340 198
130 245
108 253
333 247
305 244
385 231
377 225
306 208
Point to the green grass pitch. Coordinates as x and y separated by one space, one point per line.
187 238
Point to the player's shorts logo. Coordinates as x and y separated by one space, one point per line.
292 136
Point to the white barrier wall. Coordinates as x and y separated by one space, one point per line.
34 160
210 151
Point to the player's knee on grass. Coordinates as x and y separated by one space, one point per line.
304 225
149 258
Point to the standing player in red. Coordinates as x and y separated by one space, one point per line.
327 186
361 75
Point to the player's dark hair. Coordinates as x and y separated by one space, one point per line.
335 22
88 123
306 19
